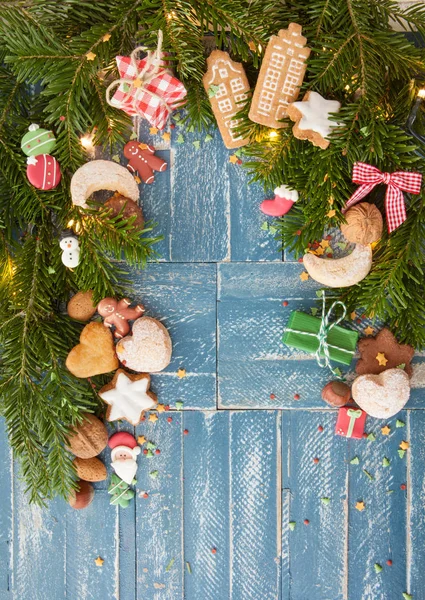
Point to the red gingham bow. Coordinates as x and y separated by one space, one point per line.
397 182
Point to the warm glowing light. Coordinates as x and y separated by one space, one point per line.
87 142
171 15
260 48
273 135
421 93
70 223
77 227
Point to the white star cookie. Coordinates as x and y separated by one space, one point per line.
128 396
311 117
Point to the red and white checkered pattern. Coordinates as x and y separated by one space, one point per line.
164 85
368 177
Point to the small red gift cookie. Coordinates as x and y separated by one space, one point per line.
350 422
371 350
43 171
117 312
142 159
128 397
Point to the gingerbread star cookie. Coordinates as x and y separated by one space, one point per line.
128 396
311 117
383 352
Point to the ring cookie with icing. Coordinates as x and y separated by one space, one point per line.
102 175
148 350
311 117
128 397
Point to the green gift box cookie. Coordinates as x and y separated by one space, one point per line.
302 333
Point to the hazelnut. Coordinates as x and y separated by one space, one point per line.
336 393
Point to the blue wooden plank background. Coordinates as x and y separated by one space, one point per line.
252 496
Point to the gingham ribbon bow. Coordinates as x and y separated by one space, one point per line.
397 183
322 335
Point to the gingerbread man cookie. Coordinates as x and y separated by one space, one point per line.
142 159
383 352
117 312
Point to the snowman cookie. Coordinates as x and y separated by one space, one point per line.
71 251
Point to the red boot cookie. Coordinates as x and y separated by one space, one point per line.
117 312
142 159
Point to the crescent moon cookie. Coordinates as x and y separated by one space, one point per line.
128 397
148 350
311 117
102 175
340 272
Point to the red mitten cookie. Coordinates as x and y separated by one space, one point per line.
142 159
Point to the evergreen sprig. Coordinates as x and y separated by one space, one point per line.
46 76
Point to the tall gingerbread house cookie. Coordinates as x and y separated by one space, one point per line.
281 75
226 85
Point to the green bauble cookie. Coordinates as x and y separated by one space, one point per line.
38 141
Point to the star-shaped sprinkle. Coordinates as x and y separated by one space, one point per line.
353 315
106 37
404 445
324 243
331 213
252 46
137 82
90 55
153 130
166 136
360 506
153 418
137 180
99 561
160 408
128 397
382 361
385 430
181 373
319 251
141 440
304 276
369 330
233 159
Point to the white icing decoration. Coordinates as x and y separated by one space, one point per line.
32 160
33 127
128 399
316 111
71 251
283 191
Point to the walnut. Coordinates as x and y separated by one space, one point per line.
117 202
364 224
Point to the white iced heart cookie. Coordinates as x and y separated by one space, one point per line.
384 395
148 350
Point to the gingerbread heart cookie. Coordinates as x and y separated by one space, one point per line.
95 354
148 350
384 395
383 352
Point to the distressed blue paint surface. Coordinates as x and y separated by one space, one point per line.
244 470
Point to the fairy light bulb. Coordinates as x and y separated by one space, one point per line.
421 93
87 142
273 135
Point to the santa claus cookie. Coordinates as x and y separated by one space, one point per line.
142 160
148 350
43 171
124 453
128 396
312 118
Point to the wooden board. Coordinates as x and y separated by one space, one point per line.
220 511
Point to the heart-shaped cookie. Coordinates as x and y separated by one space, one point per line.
95 354
148 350
384 395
